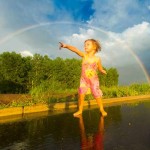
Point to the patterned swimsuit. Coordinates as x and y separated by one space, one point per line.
89 81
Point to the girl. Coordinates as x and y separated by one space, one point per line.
89 78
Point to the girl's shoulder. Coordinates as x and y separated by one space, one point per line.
84 55
97 58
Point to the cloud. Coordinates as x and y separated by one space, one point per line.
24 12
138 37
118 15
26 53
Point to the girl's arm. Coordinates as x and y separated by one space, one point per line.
100 68
71 48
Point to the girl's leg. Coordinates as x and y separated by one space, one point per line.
100 104
97 93
80 104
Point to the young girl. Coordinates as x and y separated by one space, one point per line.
89 78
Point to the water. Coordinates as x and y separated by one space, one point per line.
127 127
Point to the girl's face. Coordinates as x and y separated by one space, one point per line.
89 46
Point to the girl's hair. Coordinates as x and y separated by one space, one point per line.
96 43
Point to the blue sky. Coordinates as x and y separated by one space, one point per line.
122 27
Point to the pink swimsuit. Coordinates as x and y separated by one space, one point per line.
89 81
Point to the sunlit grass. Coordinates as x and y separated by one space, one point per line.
61 95
46 94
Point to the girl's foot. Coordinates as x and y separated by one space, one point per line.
104 113
77 113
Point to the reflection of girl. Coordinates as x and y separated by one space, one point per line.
89 78
98 138
93 142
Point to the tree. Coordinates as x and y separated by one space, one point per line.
111 77
73 72
13 71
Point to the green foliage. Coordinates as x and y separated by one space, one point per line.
141 88
52 91
111 79
39 70
46 94
123 91
14 72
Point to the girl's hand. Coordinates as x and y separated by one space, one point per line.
104 71
62 45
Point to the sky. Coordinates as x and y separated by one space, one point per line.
122 27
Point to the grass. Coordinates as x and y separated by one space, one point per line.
47 96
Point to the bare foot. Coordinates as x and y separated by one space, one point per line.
78 116
104 113
77 113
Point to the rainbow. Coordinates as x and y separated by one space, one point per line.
20 31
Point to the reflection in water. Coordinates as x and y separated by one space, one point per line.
127 127
91 141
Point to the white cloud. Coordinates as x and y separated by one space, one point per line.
138 37
26 53
110 14
148 7
24 12
118 15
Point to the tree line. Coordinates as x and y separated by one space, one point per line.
20 74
